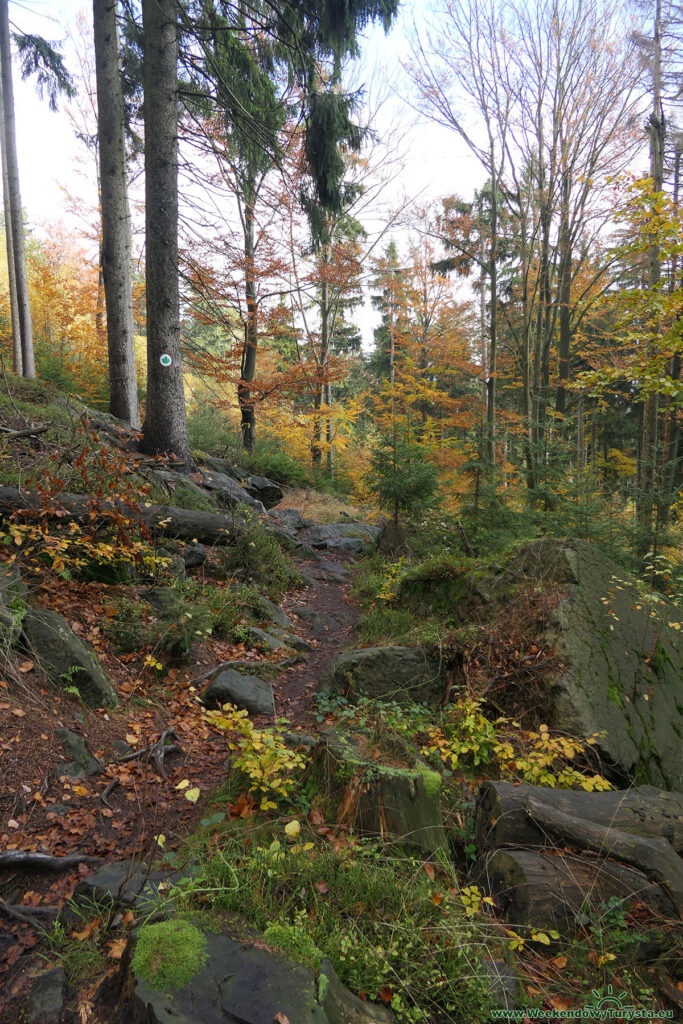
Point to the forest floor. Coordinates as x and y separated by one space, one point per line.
118 813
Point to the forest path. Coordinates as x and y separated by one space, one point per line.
327 617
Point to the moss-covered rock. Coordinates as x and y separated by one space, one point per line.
403 674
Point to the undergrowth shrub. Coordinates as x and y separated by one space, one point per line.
257 558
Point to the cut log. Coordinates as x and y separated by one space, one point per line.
25 859
161 520
501 818
545 891
655 857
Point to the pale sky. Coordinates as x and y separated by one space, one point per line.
435 163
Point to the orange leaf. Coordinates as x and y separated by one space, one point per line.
429 871
18 712
116 948
322 887
437 898
26 666
281 1018
88 930
386 994
559 961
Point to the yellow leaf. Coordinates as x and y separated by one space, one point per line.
292 829
80 791
193 795
184 784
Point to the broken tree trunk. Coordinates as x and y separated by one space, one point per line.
544 891
655 857
161 520
501 817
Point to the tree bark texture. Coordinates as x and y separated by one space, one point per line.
165 428
116 241
501 817
244 395
656 858
17 224
17 361
544 891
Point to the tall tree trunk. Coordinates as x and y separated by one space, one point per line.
565 299
493 326
165 428
116 241
16 218
11 276
316 444
248 371
648 451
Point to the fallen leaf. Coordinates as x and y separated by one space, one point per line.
80 791
12 823
26 666
281 1018
193 795
386 994
184 784
429 871
322 887
292 829
316 816
559 961
437 898
87 930
128 917
116 948
18 712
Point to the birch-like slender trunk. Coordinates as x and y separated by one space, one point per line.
16 217
17 361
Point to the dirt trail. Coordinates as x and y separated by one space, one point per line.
331 631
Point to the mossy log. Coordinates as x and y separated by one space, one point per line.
545 891
375 799
161 520
656 858
501 817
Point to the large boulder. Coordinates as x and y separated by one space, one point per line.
333 536
246 983
624 666
12 604
619 648
231 687
228 491
65 658
403 674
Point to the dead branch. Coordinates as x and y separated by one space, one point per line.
156 752
105 792
43 861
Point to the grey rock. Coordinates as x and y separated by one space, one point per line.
47 998
127 882
61 809
194 555
122 748
297 643
290 518
263 639
172 481
328 572
502 982
174 563
259 488
347 545
320 534
165 601
230 687
275 614
228 491
247 983
82 761
65 658
403 674
320 624
12 605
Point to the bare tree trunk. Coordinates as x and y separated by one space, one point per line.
493 347
11 275
165 428
248 371
10 146
648 450
565 299
116 241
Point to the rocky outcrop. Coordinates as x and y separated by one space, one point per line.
247 983
403 674
65 659
12 605
258 488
